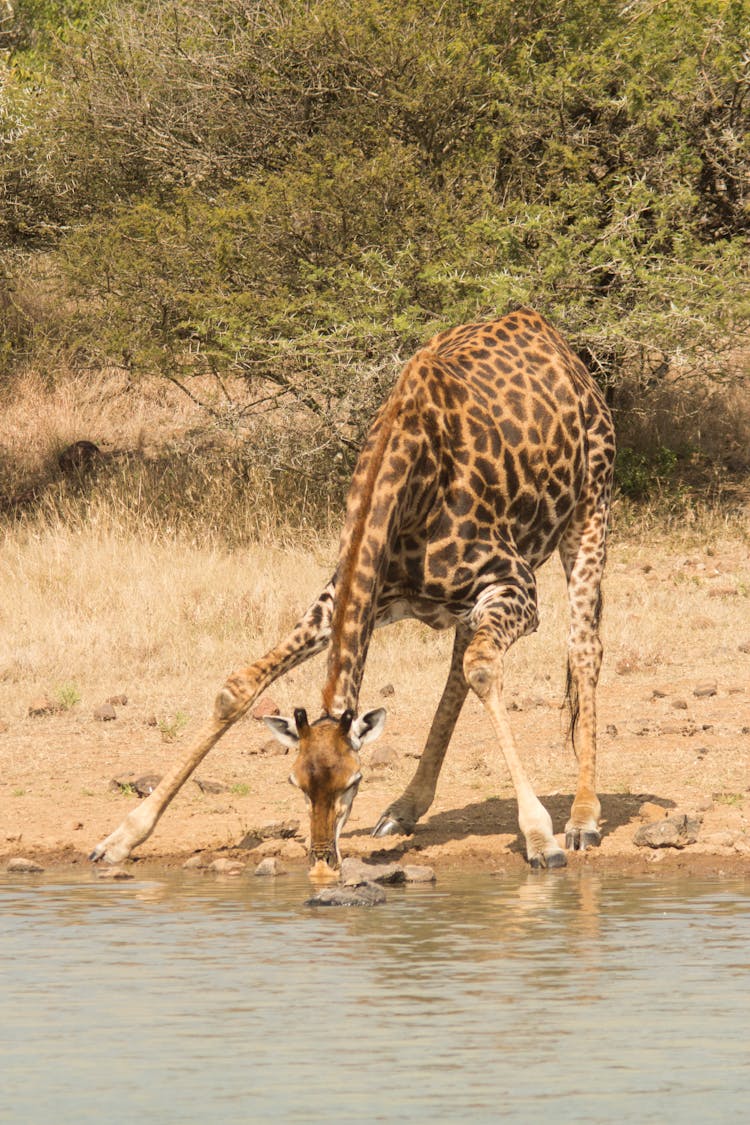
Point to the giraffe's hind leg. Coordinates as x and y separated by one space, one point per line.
401 816
503 614
583 551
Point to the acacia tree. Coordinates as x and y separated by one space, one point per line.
299 192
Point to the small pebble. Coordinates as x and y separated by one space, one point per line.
418 873
211 787
105 714
119 874
225 866
383 756
271 865
195 862
266 707
705 688
651 812
19 865
42 705
355 871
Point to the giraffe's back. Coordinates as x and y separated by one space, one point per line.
500 431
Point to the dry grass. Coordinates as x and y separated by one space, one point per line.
188 554
99 609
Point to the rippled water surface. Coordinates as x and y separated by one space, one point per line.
562 997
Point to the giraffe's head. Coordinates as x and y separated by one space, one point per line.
327 771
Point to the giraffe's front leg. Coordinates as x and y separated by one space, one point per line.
401 816
309 636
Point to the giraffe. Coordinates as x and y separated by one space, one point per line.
494 448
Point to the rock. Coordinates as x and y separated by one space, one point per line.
207 786
249 841
196 862
118 700
105 714
119 874
719 839
293 849
363 894
670 832
273 749
705 688
744 646
387 690
383 756
680 704
19 865
611 730
226 866
146 784
288 848
418 873
271 865
651 812
3 726
265 708
42 705
278 830
354 871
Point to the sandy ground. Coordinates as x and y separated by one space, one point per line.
674 723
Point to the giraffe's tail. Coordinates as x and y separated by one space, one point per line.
571 706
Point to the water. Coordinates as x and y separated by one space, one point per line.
564 996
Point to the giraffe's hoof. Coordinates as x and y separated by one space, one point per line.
554 859
390 825
578 840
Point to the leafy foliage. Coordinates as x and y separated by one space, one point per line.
303 190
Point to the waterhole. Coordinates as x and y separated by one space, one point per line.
559 996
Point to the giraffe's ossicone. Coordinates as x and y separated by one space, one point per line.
494 448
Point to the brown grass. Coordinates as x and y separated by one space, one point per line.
97 607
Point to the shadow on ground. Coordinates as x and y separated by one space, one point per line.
499 816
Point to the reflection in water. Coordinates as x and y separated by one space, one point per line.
559 994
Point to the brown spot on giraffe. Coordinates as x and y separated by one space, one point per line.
494 449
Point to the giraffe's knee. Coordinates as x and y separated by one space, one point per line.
481 668
232 701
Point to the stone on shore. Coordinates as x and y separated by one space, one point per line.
363 894
270 866
19 865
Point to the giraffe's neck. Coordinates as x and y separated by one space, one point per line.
365 552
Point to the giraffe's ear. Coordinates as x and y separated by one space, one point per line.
284 730
368 727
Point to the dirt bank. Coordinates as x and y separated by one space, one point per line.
673 711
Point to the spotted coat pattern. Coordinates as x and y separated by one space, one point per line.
494 449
